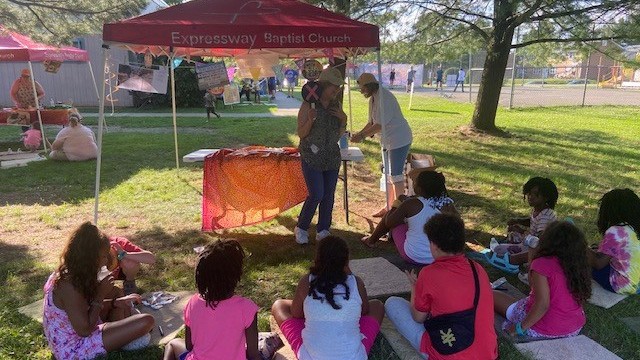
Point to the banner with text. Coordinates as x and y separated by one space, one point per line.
211 75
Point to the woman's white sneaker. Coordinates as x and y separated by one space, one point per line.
302 236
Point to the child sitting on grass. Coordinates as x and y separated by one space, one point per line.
219 324
560 282
450 285
616 264
542 195
32 137
127 259
330 317
408 215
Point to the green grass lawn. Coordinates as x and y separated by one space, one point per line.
586 151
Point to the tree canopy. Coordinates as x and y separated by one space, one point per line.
540 22
59 21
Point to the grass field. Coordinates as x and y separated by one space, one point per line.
586 151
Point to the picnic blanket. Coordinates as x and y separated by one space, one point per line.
250 185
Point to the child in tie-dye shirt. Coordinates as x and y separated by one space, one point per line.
616 264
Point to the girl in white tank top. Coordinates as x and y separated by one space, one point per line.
330 317
408 215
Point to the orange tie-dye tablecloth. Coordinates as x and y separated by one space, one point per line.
250 185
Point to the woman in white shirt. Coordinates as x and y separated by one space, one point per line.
396 138
75 142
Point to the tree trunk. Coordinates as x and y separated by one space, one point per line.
495 64
484 115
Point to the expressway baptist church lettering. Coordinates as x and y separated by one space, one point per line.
267 39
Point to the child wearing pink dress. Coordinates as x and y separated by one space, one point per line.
32 137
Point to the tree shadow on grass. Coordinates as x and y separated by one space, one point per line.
436 111
21 281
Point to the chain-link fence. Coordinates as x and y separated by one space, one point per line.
563 85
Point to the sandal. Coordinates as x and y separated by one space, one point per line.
501 262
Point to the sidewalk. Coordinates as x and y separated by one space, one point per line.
285 107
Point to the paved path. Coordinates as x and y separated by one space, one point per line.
536 95
285 107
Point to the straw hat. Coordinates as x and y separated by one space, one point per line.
332 76
367 78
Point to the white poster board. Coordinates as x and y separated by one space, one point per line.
142 79
231 95
211 75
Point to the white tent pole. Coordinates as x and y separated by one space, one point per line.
383 136
173 107
93 77
105 48
95 86
349 97
35 96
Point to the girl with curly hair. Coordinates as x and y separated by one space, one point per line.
219 324
560 282
85 317
329 317
616 263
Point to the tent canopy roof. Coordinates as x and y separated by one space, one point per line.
17 47
289 28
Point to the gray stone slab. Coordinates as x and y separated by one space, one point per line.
169 317
572 348
399 344
381 278
633 323
603 298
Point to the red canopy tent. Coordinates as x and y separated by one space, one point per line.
18 47
288 28
15 47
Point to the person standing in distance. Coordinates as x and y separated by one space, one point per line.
460 79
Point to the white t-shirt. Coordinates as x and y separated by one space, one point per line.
79 143
461 75
397 132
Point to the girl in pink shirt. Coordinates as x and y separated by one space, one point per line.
218 323
32 137
560 281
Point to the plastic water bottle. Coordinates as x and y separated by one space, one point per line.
531 241
493 244
52 102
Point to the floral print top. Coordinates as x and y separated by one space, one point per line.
63 340
621 243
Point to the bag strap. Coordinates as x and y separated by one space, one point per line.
477 284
